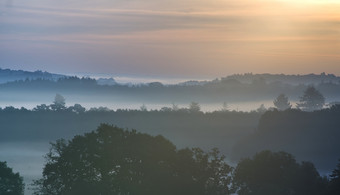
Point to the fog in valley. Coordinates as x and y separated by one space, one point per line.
209 114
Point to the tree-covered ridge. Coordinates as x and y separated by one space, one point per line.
183 126
309 133
312 136
228 89
8 75
289 79
88 89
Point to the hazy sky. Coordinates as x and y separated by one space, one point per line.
171 38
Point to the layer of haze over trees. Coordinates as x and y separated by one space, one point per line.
234 88
237 134
184 126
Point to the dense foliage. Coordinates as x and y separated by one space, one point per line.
113 161
10 183
277 173
184 128
312 136
334 184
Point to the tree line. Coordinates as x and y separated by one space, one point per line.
214 91
311 100
111 160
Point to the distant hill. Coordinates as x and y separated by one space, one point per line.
106 81
288 79
193 83
231 89
8 75
250 78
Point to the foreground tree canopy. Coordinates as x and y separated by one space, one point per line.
334 184
277 173
10 183
113 161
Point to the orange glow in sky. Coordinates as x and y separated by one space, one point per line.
172 37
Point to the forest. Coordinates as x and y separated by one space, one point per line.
111 160
288 145
237 134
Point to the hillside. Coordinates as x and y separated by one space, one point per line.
8 75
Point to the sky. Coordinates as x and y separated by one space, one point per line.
171 38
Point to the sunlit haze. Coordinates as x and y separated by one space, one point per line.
171 38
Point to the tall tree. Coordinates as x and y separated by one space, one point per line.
58 103
282 103
194 107
143 108
311 100
225 107
10 183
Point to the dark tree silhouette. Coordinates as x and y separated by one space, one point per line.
311 100
59 102
282 103
194 107
113 161
306 132
334 183
77 108
211 175
261 109
276 174
41 107
225 107
143 108
10 183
